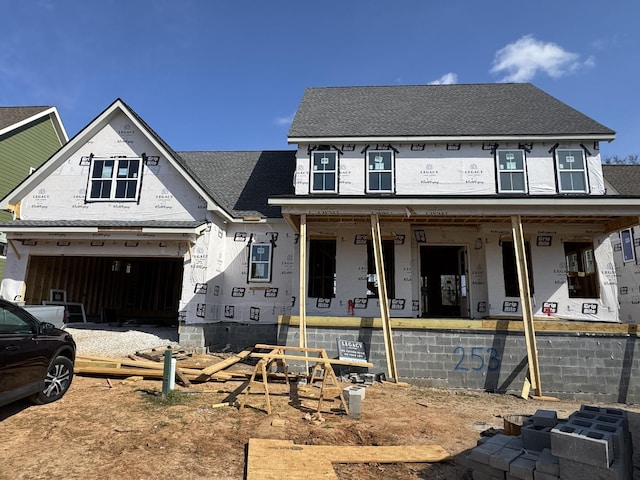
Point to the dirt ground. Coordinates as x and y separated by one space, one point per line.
120 430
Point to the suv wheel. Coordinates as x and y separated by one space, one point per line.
56 382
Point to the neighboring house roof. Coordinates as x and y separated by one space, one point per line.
12 115
624 179
15 117
484 111
242 182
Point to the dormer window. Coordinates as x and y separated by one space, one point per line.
379 171
114 179
511 171
572 171
324 172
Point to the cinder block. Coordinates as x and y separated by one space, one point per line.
572 470
482 453
503 458
590 447
536 437
483 468
548 463
499 439
353 396
545 418
544 476
478 475
523 466
516 443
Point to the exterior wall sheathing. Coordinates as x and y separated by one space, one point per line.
581 367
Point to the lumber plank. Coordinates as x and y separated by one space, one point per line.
125 372
216 367
276 459
333 361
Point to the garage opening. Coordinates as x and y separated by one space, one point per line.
111 289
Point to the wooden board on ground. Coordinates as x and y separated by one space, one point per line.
277 459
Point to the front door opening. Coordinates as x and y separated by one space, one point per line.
443 281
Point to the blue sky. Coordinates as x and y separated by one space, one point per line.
214 75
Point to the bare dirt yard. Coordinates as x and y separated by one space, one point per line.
110 429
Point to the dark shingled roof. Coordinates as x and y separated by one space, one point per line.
624 178
493 110
12 115
242 182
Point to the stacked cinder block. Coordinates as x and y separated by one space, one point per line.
594 443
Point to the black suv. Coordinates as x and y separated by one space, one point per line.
36 359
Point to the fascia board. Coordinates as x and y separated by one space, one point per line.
453 138
552 206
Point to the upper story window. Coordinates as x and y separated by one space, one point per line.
511 171
379 171
260 262
572 171
324 171
114 179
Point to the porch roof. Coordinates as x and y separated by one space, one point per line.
103 226
605 213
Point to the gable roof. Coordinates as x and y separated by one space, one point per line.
439 112
12 118
11 115
242 182
624 179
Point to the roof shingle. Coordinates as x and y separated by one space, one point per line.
493 110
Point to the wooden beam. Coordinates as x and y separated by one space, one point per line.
621 223
332 361
302 297
383 298
525 298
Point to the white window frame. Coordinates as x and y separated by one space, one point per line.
506 163
263 263
116 174
371 155
324 172
560 169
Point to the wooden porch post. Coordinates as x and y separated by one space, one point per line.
382 297
302 298
527 313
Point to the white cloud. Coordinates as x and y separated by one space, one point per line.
526 57
284 120
446 79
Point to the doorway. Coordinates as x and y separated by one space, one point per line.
443 281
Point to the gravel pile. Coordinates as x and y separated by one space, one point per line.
117 341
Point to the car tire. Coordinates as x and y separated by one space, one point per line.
56 381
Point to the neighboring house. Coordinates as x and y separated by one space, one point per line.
624 180
28 137
453 179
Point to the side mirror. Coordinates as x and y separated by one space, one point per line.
46 328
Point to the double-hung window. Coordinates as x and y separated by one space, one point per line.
380 171
324 171
511 171
114 179
260 262
572 171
